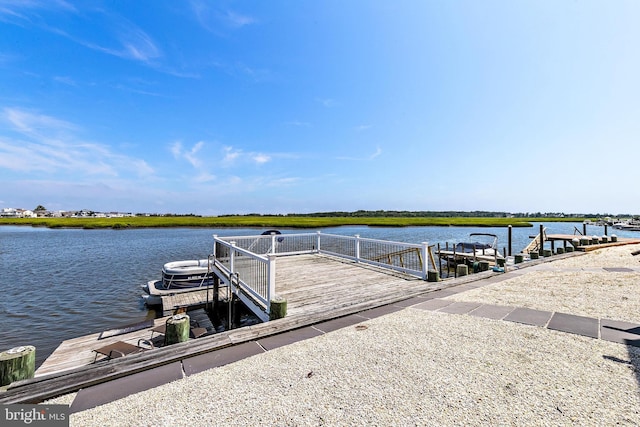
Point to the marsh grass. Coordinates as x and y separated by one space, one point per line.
274 221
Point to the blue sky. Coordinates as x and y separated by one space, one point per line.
218 107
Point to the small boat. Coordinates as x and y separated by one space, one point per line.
178 277
630 225
473 250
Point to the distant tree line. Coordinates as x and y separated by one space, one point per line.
441 214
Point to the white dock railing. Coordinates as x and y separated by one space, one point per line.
252 258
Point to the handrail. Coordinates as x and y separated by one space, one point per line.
356 248
254 283
253 258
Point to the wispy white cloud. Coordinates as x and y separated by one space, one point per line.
261 158
372 156
238 20
190 155
130 42
297 123
362 128
205 177
212 17
35 142
256 74
10 10
327 102
282 182
233 155
230 154
124 39
65 80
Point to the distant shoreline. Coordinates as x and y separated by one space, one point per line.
303 222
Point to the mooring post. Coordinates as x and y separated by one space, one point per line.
18 363
541 238
177 329
510 237
584 228
440 262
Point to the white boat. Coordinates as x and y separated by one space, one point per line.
630 225
474 250
178 277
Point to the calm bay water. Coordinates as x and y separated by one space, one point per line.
58 284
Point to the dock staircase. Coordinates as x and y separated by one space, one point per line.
535 244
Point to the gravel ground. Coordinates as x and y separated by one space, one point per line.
417 367
577 285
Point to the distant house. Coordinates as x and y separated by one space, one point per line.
9 213
17 213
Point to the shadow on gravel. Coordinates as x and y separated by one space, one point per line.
624 333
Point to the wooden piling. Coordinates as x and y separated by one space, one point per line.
433 276
18 363
278 308
462 270
178 327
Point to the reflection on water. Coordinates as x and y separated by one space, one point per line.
58 284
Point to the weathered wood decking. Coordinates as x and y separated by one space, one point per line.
77 352
321 283
312 284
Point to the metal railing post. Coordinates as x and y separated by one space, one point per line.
318 241
273 243
215 239
357 248
232 253
271 273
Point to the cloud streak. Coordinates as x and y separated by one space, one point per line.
125 40
211 18
232 155
191 155
44 144
372 156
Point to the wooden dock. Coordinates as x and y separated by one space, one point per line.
321 284
77 352
567 239
314 285
190 300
